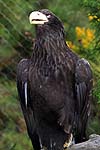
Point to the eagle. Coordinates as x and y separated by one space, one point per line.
54 87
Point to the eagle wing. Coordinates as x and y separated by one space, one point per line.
83 89
24 96
22 86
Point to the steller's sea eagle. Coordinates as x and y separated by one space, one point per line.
54 87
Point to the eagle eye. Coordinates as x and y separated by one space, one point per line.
48 16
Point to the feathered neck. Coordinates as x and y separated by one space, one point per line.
51 52
48 42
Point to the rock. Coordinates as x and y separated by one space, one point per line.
92 144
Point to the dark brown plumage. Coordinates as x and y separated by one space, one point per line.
54 87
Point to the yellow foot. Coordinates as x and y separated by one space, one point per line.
67 144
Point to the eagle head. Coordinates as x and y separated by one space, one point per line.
45 18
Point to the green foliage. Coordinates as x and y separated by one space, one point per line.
13 134
96 91
93 9
94 126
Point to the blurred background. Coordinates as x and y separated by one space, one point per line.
81 20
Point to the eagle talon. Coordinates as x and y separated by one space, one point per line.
67 144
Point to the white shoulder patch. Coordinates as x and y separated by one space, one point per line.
25 90
85 61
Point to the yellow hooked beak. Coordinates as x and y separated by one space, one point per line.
37 17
